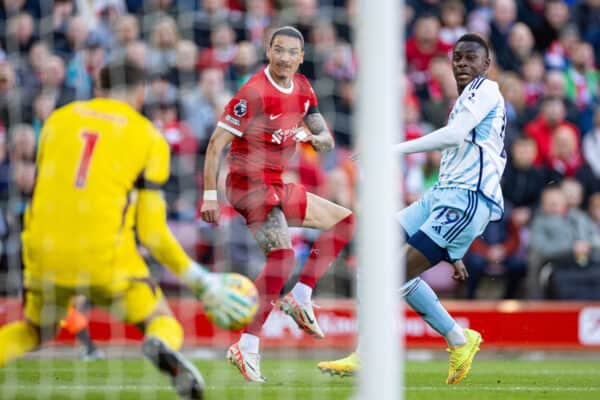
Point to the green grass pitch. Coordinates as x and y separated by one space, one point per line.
297 379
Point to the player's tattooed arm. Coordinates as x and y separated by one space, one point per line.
321 137
274 233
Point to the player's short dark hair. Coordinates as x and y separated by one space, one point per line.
120 75
287 31
474 37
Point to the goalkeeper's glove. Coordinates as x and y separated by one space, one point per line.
224 306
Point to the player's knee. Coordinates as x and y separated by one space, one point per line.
167 329
425 254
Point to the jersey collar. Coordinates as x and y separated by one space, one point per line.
280 88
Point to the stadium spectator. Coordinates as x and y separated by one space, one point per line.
56 25
532 72
440 93
523 182
20 34
257 19
83 67
422 47
514 95
163 43
344 101
136 52
222 48
504 14
126 30
211 14
551 116
574 192
321 43
560 235
75 39
52 82
565 154
556 17
586 15
12 98
582 84
496 252
202 106
531 12
43 105
180 189
183 74
242 67
302 14
558 54
519 48
108 14
452 16
28 72
22 149
555 85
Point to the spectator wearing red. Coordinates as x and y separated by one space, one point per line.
222 51
551 116
565 155
422 47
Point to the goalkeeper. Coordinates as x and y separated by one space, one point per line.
100 168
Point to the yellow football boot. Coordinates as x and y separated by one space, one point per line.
461 357
347 366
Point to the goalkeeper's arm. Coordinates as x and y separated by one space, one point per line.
156 236
223 302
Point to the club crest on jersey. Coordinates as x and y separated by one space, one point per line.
241 108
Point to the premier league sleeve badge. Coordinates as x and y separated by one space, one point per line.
241 108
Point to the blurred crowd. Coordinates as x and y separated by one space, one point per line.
197 53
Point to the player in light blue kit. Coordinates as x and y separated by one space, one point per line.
445 221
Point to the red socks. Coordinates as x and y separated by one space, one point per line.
326 249
280 264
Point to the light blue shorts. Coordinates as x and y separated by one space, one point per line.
451 217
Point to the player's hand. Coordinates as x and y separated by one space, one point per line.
225 304
460 271
303 135
210 211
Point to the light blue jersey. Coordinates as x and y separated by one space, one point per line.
478 163
468 194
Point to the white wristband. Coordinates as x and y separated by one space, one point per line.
210 195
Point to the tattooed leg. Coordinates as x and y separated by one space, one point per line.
274 240
274 233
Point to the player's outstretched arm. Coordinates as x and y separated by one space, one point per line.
450 135
210 205
224 303
320 137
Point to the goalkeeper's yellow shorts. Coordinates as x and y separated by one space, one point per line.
131 301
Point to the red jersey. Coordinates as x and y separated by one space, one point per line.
264 118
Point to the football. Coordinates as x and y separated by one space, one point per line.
241 290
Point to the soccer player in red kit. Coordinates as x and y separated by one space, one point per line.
270 114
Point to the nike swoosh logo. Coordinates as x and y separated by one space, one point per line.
310 320
248 365
272 117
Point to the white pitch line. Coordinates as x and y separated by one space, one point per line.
105 388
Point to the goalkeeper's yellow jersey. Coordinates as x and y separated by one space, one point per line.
79 226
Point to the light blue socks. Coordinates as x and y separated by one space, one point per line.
421 298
